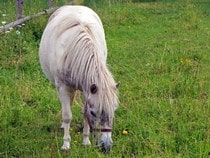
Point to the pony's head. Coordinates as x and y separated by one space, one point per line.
99 109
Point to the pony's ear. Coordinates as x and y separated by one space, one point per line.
118 85
93 89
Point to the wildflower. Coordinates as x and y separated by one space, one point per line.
17 32
7 31
187 60
23 24
4 15
10 28
125 132
3 22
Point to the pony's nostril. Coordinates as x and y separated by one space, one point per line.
105 147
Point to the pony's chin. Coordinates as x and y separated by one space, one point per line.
106 142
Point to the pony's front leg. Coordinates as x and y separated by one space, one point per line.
86 133
64 96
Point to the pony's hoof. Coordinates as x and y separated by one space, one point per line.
66 146
86 142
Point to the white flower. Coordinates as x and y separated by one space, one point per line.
19 26
10 28
3 22
7 31
23 24
17 32
4 15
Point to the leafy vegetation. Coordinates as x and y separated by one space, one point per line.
159 51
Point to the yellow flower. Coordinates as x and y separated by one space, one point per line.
125 132
187 60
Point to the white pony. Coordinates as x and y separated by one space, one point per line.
73 56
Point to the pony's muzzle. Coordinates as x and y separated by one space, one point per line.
106 142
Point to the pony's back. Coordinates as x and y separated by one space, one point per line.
63 28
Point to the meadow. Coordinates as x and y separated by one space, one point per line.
159 51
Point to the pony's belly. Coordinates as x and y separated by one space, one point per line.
46 69
46 60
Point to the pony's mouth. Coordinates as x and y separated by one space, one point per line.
105 143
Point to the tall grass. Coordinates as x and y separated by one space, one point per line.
158 51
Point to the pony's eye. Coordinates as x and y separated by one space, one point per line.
93 88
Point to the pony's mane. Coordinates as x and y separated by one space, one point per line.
82 66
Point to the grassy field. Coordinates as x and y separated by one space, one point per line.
159 51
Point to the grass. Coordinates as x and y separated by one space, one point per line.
159 52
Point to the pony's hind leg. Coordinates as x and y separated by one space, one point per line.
65 98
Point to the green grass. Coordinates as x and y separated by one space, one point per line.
159 51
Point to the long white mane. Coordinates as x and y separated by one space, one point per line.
83 61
